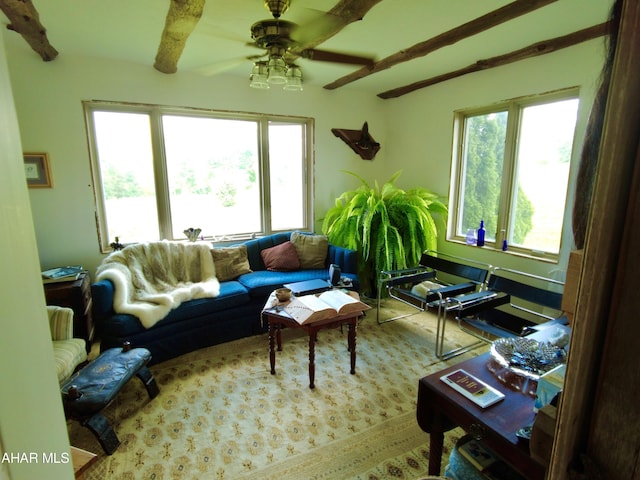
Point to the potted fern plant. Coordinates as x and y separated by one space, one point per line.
387 226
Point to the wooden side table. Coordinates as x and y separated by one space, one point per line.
440 409
278 319
77 296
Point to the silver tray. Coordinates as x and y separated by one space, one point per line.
519 362
526 356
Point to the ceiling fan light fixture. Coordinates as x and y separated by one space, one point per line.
259 76
277 70
294 79
277 7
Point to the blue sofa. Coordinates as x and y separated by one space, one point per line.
199 323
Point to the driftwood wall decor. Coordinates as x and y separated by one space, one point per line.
360 141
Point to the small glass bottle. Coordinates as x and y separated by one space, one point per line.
481 232
504 245
471 236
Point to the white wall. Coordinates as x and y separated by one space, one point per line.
31 416
422 129
48 100
415 131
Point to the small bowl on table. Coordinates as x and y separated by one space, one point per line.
283 294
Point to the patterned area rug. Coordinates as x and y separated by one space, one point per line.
221 415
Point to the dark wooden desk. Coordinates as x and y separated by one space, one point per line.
440 409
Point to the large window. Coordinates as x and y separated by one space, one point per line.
511 170
158 171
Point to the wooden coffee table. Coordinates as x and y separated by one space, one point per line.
277 318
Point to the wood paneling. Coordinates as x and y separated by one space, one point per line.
599 413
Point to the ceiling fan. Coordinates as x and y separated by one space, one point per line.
288 38
277 37
284 42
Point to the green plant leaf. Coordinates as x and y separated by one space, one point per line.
389 227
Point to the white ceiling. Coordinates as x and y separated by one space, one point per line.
130 30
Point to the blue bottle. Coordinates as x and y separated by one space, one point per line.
481 232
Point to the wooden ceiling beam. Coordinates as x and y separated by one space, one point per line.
25 20
534 50
182 18
480 24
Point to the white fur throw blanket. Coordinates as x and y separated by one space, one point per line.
151 279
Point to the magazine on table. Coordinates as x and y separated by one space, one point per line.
62 274
332 303
473 388
68 278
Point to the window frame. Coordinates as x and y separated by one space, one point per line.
155 113
514 108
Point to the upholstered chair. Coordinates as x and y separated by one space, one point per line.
68 352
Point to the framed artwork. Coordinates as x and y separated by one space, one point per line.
36 169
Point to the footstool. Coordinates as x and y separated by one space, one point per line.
91 389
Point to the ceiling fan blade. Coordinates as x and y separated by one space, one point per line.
317 30
335 57
313 33
212 29
224 65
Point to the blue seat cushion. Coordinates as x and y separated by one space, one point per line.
232 294
260 284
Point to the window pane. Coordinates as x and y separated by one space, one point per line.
123 142
161 170
544 157
483 156
287 185
212 170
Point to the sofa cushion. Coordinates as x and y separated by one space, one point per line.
261 284
232 295
230 262
255 247
166 341
311 249
281 258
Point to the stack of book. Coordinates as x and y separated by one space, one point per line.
62 274
473 460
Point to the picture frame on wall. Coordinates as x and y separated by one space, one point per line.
36 169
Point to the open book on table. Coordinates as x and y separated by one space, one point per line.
332 303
